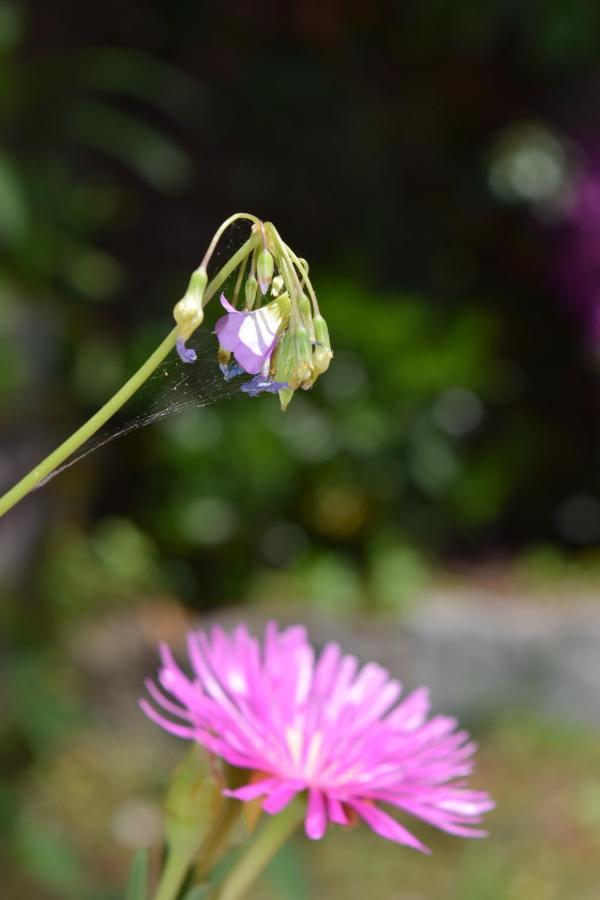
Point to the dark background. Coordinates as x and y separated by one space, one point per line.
439 166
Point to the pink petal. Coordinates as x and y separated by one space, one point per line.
387 827
315 823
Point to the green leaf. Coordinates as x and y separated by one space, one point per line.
147 151
140 75
14 214
138 877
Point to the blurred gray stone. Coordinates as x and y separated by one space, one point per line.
482 656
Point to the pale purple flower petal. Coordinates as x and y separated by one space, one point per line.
262 385
250 336
320 726
186 354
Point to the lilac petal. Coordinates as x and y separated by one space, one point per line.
261 385
186 354
250 336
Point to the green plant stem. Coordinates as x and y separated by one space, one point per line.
173 874
45 468
271 837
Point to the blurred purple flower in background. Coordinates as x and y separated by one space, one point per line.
579 251
324 726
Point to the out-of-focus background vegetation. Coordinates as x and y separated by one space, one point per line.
439 166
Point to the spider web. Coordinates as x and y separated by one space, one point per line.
173 388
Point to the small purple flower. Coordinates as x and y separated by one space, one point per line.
251 336
261 384
186 354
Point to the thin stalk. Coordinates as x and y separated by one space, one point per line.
45 468
271 837
238 283
288 271
306 279
222 229
173 875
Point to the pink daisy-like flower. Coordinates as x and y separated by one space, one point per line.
251 336
323 726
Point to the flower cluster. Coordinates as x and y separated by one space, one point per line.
322 727
278 335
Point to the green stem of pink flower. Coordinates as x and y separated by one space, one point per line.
271 837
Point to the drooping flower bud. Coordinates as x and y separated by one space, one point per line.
250 290
277 286
189 313
265 266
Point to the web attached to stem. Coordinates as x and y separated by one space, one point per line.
173 388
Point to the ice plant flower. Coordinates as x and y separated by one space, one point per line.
252 336
320 726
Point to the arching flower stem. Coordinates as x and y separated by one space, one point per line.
44 469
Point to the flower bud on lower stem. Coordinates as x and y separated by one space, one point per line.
188 313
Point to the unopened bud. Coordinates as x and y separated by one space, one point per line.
265 266
189 313
193 800
250 291
277 285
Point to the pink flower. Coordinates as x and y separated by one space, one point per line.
251 336
323 726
